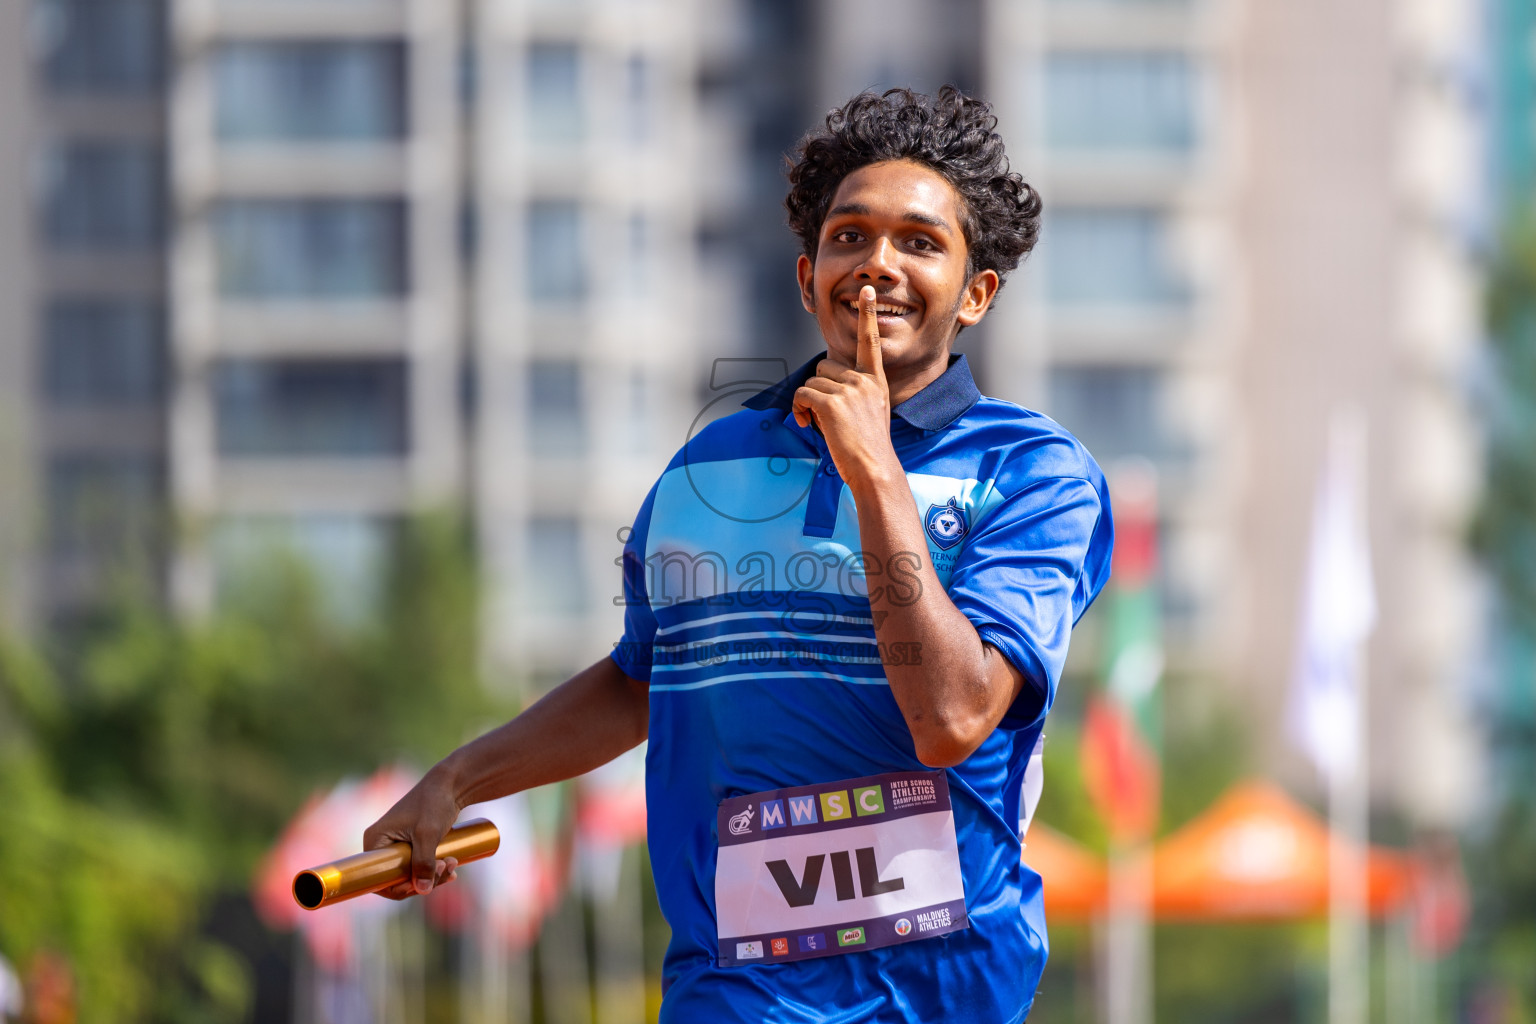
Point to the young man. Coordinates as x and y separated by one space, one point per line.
848 608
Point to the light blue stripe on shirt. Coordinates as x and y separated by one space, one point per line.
852 620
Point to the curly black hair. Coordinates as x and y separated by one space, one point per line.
952 133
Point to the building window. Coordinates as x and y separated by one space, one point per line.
1109 257
1113 410
310 91
105 194
101 352
554 580
639 104
555 109
556 255
311 407
343 556
557 423
311 248
639 248
1120 101
639 413
104 505
103 46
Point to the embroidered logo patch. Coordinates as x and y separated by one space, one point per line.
947 524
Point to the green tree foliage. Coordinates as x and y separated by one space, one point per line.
1502 860
148 762
1504 532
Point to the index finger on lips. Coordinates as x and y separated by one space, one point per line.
869 359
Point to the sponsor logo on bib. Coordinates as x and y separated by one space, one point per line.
903 927
741 824
780 947
802 810
867 801
773 815
851 937
934 921
749 951
834 806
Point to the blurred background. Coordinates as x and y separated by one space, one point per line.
341 339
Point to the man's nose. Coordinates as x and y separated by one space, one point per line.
880 264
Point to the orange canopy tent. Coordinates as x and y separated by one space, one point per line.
1254 855
1071 875
1257 855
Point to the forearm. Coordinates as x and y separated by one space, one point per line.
584 722
952 687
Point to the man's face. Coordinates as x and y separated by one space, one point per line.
895 226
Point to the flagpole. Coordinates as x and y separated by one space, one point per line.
1121 747
1127 940
1348 779
1348 939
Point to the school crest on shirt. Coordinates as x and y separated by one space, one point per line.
947 524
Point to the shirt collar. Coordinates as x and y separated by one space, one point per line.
935 407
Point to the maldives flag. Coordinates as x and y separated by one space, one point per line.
1122 727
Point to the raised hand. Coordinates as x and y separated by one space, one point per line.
851 405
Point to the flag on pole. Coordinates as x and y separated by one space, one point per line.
329 826
515 890
610 817
1122 727
1338 609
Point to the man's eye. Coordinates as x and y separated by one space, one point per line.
922 244
846 236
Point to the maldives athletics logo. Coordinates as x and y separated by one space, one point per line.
947 524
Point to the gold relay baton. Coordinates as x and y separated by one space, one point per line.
363 873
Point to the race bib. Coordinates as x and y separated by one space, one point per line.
836 868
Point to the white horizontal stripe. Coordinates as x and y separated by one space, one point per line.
768 674
776 655
768 657
782 634
858 620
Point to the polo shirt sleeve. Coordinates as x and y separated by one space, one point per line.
633 652
1028 571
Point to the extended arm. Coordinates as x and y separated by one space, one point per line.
586 721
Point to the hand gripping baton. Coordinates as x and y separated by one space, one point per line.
363 873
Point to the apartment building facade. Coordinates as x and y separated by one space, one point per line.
84 314
289 272
1259 217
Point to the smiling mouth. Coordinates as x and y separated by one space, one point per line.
883 310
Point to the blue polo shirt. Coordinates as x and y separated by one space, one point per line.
747 612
